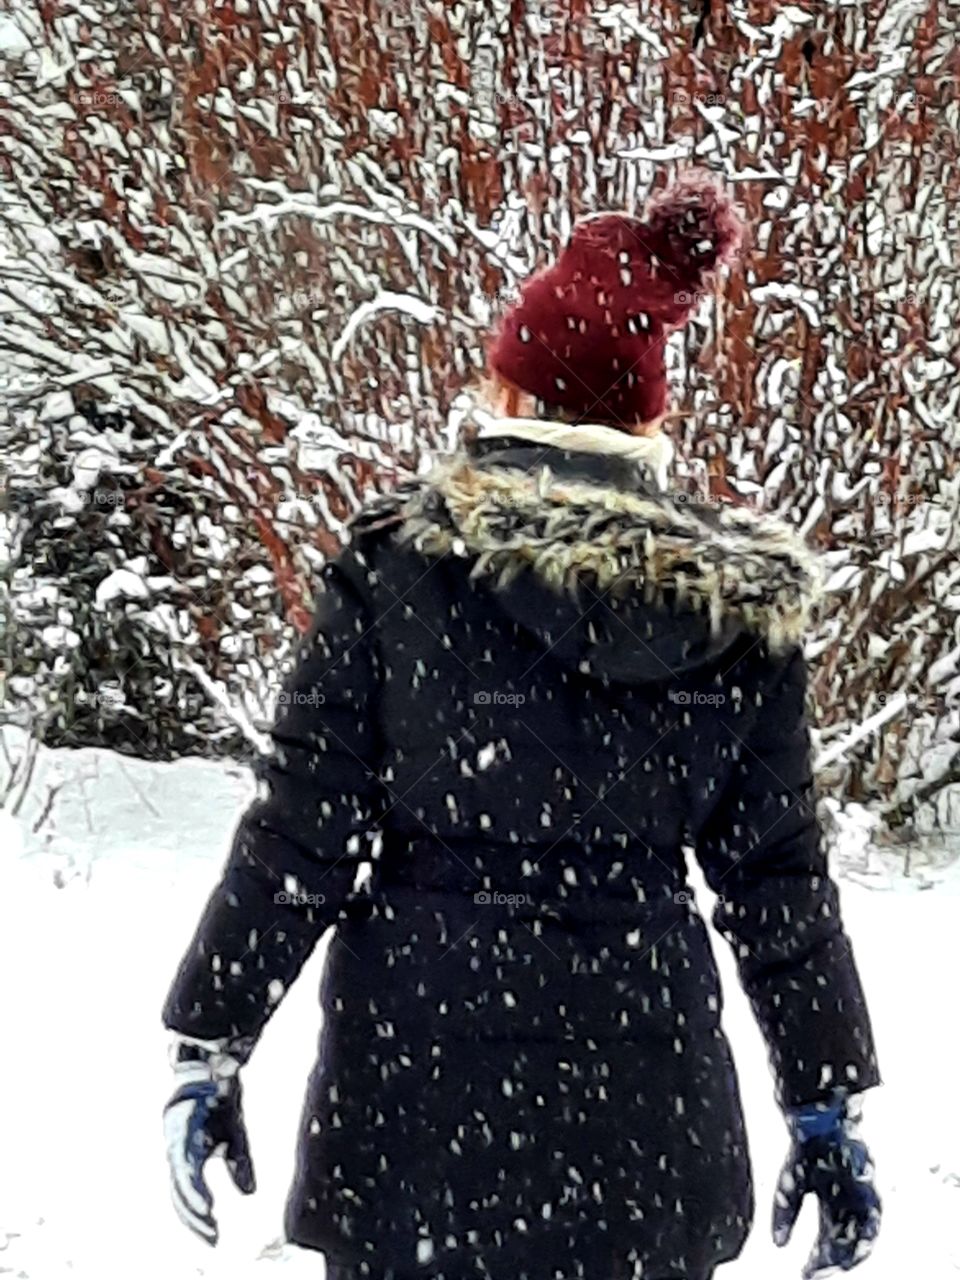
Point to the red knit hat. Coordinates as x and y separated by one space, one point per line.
588 332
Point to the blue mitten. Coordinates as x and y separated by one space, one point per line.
828 1158
204 1118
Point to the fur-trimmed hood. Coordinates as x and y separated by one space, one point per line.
615 573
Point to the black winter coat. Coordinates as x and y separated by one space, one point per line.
532 684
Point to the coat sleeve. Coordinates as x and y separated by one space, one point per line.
762 852
297 849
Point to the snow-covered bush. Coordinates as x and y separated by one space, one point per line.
263 242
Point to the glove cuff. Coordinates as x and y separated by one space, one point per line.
817 1119
217 1060
837 1116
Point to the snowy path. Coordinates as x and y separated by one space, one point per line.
83 1190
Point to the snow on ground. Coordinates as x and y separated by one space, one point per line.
96 906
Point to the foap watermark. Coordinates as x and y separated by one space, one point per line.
304 98
300 698
97 98
699 499
684 98
917 702
689 298
498 698
884 499
102 497
686 897
285 899
509 501
299 300
490 97
113 292
506 295
110 697
486 86
494 898
696 698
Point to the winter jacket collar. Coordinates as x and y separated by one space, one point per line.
612 573
653 455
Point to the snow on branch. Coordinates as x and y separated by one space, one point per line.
269 214
407 303
888 711
235 714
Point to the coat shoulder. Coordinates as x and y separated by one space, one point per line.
382 513
369 532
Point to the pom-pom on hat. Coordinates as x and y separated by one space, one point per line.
588 332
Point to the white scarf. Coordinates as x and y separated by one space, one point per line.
655 452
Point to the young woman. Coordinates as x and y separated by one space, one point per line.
538 678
